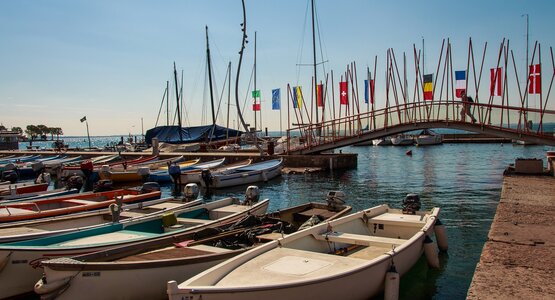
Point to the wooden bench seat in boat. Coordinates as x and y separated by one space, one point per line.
166 253
399 220
193 221
130 214
80 201
15 211
227 210
359 239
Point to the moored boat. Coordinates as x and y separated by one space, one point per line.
402 140
194 176
257 172
346 257
429 137
20 260
382 142
159 261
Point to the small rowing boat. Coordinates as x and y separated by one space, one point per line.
257 172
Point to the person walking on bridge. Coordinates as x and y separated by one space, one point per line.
467 107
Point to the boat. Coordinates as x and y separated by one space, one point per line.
402 140
70 204
32 229
257 172
164 175
180 258
344 258
21 260
139 172
37 195
22 188
429 137
382 142
194 175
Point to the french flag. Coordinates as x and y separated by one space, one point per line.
460 77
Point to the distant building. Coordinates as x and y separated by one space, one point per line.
9 140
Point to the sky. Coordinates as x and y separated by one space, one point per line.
109 60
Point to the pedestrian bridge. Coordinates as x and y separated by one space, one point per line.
518 123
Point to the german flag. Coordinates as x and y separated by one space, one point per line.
428 87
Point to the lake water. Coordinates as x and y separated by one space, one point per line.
464 180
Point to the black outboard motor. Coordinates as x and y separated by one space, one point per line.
150 187
87 168
411 204
103 185
206 178
75 182
175 173
10 176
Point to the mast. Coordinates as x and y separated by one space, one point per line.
167 103
244 30
527 68
314 60
210 78
177 98
254 94
228 99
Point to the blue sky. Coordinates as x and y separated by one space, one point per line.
109 60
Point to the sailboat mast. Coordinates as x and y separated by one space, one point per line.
254 93
314 60
167 103
210 77
177 99
228 99
527 62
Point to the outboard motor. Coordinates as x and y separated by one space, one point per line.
175 173
115 211
411 204
43 178
37 167
75 182
143 172
150 187
103 185
252 195
87 169
10 176
335 200
206 178
191 192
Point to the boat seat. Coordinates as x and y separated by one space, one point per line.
359 239
193 221
227 210
80 201
399 220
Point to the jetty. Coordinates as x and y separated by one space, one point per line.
518 259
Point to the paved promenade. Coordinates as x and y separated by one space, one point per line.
518 260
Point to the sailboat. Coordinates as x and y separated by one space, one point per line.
176 134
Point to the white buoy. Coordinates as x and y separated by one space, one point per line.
392 280
441 236
431 253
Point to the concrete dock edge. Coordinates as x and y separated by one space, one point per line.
518 259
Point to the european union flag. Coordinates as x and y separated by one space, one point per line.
276 99
295 103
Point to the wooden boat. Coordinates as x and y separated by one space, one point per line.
75 169
138 172
69 204
37 195
160 261
429 137
402 140
382 142
20 260
162 174
22 188
257 172
32 229
194 176
344 258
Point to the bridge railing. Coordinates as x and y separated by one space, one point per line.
500 117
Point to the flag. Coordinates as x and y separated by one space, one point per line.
83 119
460 77
320 95
428 87
366 91
343 94
276 101
256 94
372 91
535 85
495 82
297 97
256 105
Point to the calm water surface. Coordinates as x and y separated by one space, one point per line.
464 180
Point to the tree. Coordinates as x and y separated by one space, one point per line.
2 127
57 131
17 129
42 131
32 131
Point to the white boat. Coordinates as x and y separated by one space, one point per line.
257 172
340 259
194 176
161 260
402 140
429 137
20 261
382 142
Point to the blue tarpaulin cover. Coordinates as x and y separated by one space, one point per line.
170 134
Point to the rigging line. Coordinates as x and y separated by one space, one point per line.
301 47
320 40
161 105
222 94
248 89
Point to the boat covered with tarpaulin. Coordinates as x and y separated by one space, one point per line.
195 134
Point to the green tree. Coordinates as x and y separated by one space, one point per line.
2 127
17 129
32 131
57 131
42 131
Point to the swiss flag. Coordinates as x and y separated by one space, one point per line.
535 85
343 94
